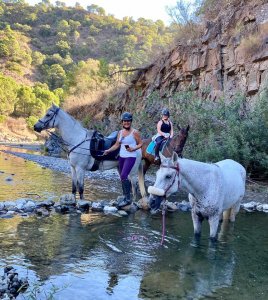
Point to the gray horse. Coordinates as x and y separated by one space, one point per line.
215 190
77 139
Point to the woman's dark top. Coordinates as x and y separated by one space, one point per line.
165 127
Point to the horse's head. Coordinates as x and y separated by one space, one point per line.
49 120
167 180
180 139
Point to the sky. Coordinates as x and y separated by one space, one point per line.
149 9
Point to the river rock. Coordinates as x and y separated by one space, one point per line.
144 203
184 206
2 206
42 211
29 206
97 206
265 208
46 204
171 206
83 204
68 199
250 206
20 203
122 213
109 209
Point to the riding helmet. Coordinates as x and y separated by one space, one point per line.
165 112
126 116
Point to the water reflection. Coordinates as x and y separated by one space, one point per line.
25 179
111 255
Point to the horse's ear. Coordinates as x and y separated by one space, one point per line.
188 127
162 157
175 157
178 126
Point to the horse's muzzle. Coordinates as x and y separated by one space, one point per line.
156 191
37 128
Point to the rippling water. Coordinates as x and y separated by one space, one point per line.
94 256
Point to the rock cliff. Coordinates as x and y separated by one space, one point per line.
230 57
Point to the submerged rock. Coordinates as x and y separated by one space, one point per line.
10 284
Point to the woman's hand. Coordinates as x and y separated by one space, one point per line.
106 152
129 149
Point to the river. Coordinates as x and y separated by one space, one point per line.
98 256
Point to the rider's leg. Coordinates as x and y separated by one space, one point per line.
158 141
125 166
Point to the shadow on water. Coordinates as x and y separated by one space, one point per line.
95 256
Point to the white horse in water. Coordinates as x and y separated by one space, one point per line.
77 139
215 190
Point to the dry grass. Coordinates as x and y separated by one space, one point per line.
16 130
254 42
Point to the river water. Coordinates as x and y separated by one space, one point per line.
96 256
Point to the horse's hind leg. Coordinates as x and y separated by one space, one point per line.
74 181
234 211
134 185
80 182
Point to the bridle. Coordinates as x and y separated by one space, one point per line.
177 169
164 207
53 116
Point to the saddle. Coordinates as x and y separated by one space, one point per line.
99 143
151 147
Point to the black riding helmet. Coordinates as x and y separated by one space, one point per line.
165 112
126 116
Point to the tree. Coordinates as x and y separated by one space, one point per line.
55 76
8 95
26 101
95 9
183 12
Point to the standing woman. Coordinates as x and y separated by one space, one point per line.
164 131
129 141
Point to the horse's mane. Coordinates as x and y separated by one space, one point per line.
77 122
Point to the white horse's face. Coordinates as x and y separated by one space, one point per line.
167 180
49 119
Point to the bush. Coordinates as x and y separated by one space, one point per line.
31 121
219 130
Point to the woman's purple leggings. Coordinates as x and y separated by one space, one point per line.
125 166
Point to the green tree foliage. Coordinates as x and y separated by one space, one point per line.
8 95
55 76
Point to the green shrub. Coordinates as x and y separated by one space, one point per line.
31 121
219 130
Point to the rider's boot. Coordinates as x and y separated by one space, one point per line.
126 186
156 150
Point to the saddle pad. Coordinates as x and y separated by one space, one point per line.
150 148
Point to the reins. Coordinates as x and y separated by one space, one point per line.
164 206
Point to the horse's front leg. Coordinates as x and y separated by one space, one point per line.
213 226
74 181
197 223
80 173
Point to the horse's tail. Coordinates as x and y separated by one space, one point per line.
141 180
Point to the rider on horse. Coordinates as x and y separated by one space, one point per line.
164 131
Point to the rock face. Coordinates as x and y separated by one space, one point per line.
230 57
